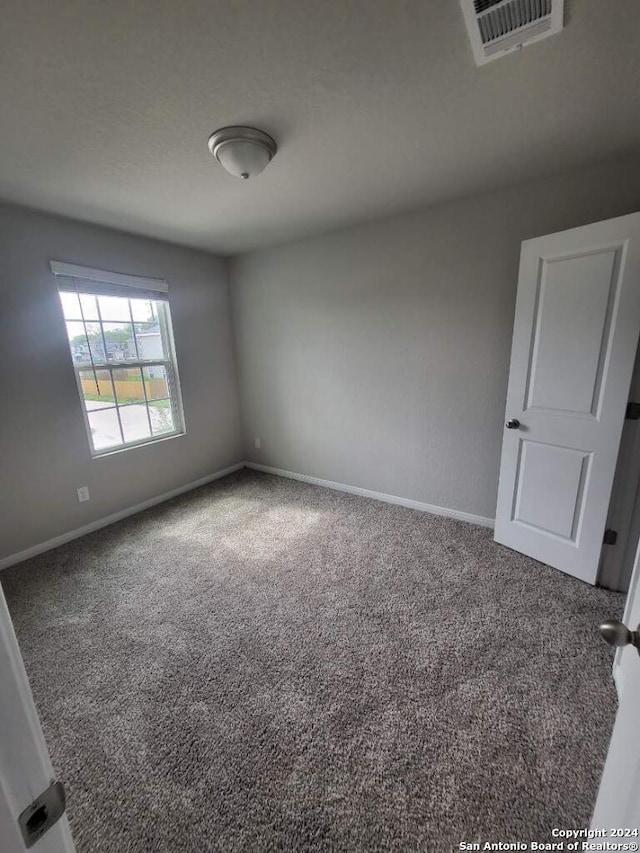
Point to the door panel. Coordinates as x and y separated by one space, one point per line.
575 334
572 332
562 472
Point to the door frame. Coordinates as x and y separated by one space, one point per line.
617 561
634 588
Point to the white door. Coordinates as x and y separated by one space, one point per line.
618 803
575 333
25 769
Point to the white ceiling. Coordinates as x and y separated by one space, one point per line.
377 107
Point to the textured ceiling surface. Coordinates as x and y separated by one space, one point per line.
377 107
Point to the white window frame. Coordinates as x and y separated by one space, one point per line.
116 284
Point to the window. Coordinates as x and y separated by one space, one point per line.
121 343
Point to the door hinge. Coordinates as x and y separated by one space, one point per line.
610 537
633 412
42 813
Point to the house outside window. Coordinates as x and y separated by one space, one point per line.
122 350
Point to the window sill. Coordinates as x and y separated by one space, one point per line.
112 451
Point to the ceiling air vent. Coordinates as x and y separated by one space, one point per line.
497 27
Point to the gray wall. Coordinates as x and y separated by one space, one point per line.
378 356
44 448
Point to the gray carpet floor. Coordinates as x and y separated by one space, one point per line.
264 665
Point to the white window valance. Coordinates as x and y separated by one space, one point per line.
74 278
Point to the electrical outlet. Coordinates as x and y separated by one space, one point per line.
83 494
257 443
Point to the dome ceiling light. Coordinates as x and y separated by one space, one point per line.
242 151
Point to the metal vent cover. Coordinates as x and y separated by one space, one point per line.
497 27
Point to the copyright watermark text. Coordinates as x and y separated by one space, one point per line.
624 840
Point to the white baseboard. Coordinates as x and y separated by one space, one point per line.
378 496
12 559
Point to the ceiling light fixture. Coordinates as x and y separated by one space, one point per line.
242 151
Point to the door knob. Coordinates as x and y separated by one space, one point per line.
617 634
514 423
